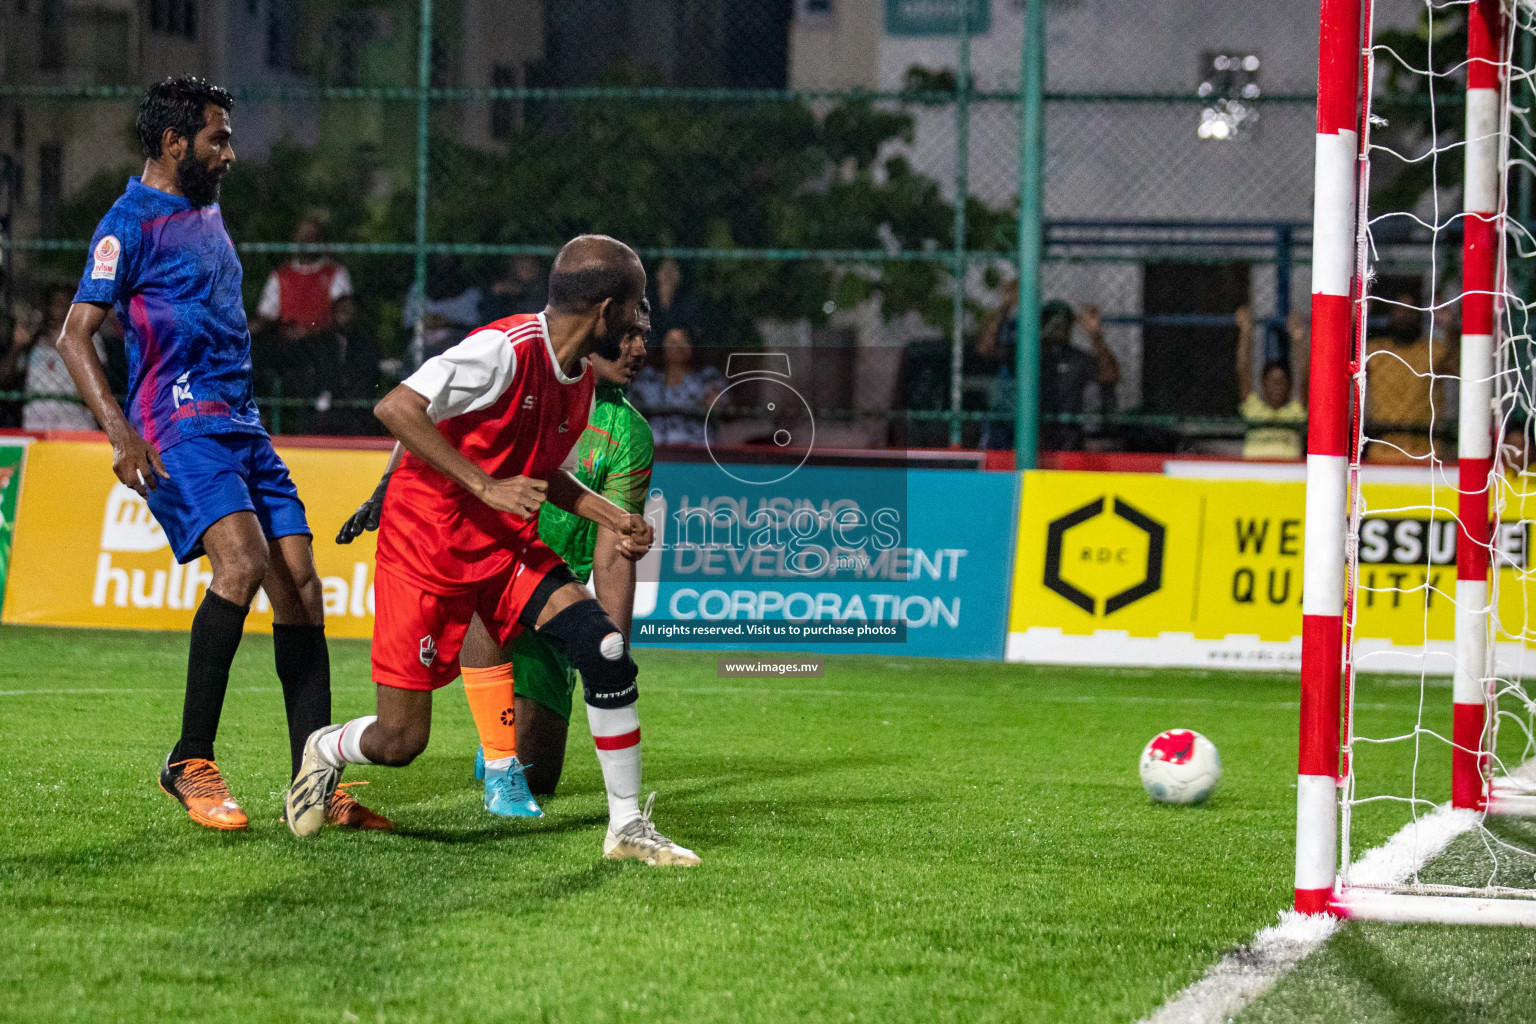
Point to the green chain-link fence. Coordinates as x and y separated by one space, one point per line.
791 164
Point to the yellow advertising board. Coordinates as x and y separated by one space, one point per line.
87 552
1143 569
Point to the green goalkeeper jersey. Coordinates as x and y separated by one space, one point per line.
613 457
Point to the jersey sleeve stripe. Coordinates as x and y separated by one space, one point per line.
629 472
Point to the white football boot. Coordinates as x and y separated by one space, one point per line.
309 797
639 840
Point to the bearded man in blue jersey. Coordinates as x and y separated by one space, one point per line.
191 441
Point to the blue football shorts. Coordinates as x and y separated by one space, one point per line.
215 476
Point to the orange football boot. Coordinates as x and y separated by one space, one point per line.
197 785
346 812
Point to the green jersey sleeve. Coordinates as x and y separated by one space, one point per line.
613 457
629 470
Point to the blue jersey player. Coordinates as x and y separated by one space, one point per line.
189 438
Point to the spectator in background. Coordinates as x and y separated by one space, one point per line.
523 289
672 305
52 401
677 398
299 298
350 374
1403 397
15 344
447 321
1065 371
297 314
1276 419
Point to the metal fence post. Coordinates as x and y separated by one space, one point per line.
1283 261
1522 131
1026 414
423 126
962 190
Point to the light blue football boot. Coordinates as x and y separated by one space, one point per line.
507 793
480 765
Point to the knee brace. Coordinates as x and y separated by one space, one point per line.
588 639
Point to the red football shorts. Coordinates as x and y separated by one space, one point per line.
417 636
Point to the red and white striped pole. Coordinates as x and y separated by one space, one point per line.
1479 267
1322 628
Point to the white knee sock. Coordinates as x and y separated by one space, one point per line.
616 733
344 746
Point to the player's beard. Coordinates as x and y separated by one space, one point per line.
610 345
197 181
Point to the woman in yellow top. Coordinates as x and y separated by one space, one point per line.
1277 420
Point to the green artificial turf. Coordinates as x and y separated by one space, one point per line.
1423 974
904 840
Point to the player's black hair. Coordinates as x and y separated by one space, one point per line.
593 268
179 103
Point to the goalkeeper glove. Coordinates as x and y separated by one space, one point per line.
367 515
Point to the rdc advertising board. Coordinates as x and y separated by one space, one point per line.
1130 569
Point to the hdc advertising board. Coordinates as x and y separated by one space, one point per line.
823 551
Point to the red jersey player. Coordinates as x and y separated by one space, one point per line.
488 427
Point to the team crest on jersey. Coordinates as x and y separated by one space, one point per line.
428 651
181 390
104 259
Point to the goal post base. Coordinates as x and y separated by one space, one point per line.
1511 803
1412 908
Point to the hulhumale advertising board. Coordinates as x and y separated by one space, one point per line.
827 559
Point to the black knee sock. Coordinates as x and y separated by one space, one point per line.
216 632
304 666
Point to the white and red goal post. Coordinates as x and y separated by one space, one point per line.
1341 270
1338 169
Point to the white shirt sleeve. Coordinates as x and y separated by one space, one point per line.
270 306
341 283
468 377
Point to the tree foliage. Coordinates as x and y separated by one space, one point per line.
1419 110
695 175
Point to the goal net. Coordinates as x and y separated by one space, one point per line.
1421 466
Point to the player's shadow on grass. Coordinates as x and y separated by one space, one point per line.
701 775
497 832
563 887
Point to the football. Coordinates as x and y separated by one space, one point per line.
1180 766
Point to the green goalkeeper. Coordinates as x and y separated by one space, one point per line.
614 459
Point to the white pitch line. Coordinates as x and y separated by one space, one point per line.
1248 972
688 691
685 690
173 690
96 690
